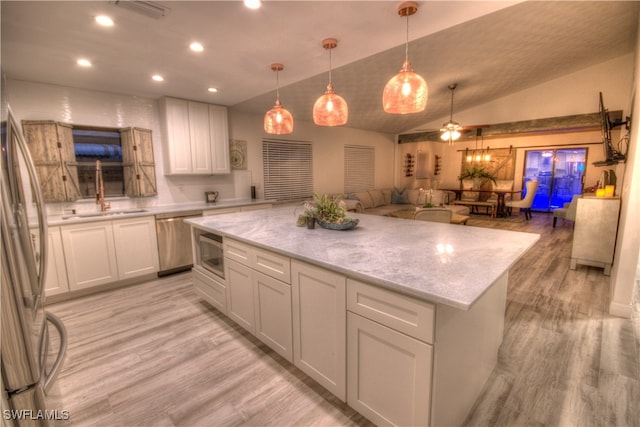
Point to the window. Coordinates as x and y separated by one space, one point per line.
90 145
359 168
288 169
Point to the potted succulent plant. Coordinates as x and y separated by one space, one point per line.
330 213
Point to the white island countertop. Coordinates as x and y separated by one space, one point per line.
441 263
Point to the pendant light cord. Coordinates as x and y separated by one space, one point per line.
277 85
329 66
406 46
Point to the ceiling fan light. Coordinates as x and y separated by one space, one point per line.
405 93
330 109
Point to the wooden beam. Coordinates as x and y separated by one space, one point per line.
575 123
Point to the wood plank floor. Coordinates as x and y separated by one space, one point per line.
153 354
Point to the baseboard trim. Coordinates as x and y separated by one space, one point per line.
620 310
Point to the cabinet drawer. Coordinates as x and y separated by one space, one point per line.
274 265
400 312
237 251
210 289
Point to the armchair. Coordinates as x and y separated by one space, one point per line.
568 211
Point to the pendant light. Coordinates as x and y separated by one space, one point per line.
451 130
278 120
407 91
330 109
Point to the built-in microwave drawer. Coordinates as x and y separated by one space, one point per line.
400 312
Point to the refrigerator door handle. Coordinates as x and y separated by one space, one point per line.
40 207
62 351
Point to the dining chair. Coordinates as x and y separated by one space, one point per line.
524 204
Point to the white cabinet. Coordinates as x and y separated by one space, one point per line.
272 302
213 290
90 254
239 294
101 252
136 247
595 231
258 294
56 281
389 358
195 137
319 325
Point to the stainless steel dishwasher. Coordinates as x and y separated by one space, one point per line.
174 241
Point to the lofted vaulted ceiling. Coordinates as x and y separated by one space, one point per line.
490 48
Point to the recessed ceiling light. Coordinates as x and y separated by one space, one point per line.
157 78
104 20
196 47
83 62
213 89
253 4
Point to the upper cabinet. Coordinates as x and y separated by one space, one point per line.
195 137
138 163
51 147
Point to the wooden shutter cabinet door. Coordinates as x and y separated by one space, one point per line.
138 163
51 147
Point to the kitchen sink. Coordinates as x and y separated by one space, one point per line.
114 212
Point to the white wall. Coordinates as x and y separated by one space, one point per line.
626 261
37 101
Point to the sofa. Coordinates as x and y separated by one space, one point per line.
386 200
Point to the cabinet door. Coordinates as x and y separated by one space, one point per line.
51 146
219 139
239 294
136 247
594 235
273 314
176 141
90 254
56 281
389 374
319 325
138 163
199 132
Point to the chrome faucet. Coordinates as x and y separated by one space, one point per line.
104 206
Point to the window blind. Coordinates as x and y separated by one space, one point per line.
359 168
288 169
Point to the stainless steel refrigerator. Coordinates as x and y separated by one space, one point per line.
24 343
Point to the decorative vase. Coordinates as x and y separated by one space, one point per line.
311 222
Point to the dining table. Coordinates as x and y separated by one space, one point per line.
501 209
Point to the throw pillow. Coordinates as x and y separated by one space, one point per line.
377 197
399 197
386 192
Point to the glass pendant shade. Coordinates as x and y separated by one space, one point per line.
405 93
330 109
278 121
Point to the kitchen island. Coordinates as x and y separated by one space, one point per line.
402 319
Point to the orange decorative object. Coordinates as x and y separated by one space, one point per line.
407 91
600 192
330 109
278 121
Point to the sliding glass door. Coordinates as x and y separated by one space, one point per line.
559 173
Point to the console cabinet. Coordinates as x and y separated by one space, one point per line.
195 137
595 231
